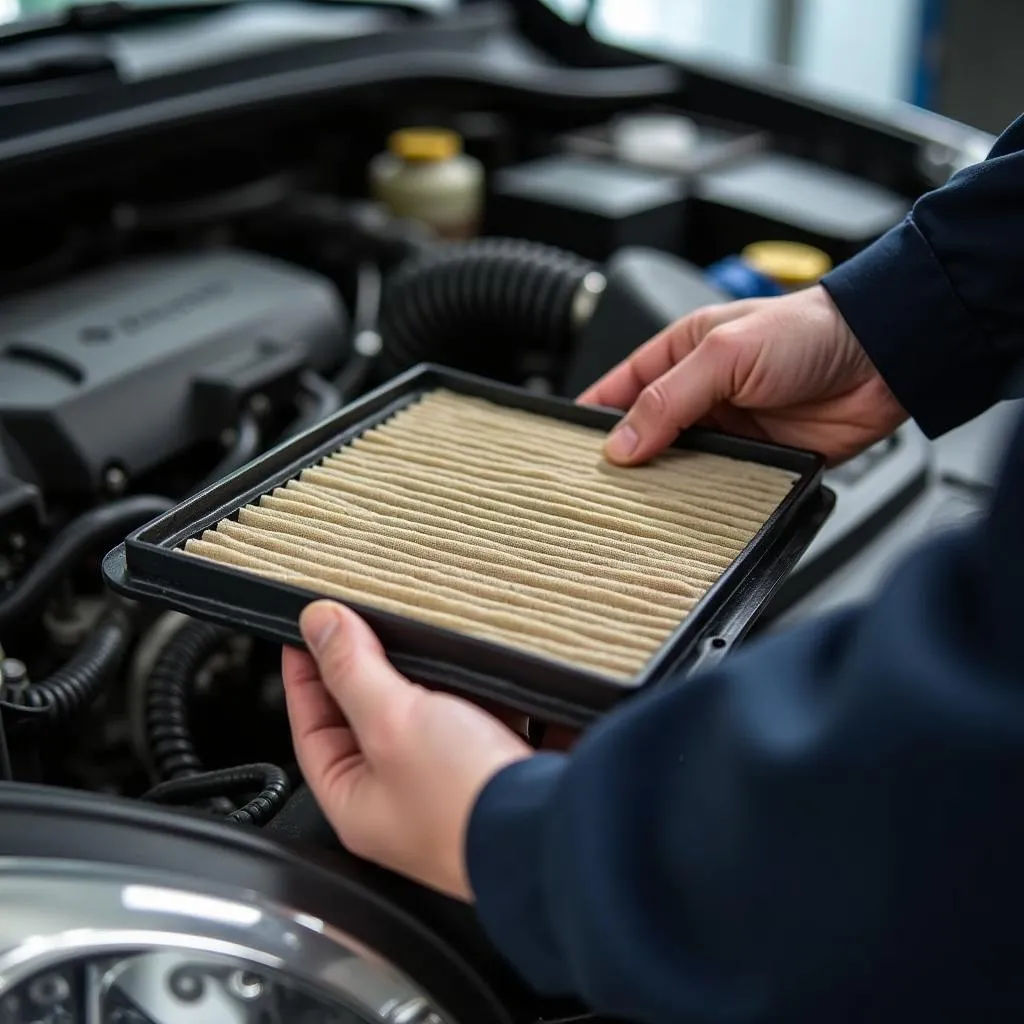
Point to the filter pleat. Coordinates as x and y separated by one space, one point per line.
508 526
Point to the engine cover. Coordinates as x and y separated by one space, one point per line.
132 365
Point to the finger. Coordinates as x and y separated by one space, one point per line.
621 386
320 734
676 400
353 666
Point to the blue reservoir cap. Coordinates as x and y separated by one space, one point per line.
739 279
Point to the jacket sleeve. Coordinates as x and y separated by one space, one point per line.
937 302
827 827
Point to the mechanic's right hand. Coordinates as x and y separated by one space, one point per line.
786 369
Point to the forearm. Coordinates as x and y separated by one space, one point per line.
937 302
825 828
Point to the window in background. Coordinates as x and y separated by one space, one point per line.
738 31
871 51
866 50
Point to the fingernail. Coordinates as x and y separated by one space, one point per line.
318 623
622 443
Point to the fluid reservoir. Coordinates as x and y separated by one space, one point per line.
764 269
790 265
665 141
424 175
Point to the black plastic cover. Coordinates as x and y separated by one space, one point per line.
149 567
131 365
774 196
646 290
591 207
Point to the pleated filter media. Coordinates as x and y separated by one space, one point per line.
507 525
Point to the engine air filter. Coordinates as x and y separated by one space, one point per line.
484 535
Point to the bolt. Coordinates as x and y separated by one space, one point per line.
368 344
115 479
14 672
245 985
186 985
16 541
259 404
49 990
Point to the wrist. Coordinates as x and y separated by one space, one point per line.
459 873
507 810
916 331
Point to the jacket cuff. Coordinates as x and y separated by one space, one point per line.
899 302
505 860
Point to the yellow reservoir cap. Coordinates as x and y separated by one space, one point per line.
789 264
424 145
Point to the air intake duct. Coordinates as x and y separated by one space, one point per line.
481 305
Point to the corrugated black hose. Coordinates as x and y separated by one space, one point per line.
57 699
272 783
170 745
478 305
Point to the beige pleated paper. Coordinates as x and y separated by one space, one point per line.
510 526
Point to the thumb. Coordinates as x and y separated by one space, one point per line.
674 401
352 664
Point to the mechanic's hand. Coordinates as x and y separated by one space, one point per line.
395 768
786 369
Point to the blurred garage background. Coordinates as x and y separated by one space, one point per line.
955 57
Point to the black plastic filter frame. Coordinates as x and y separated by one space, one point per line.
150 568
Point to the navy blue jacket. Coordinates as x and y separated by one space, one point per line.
828 827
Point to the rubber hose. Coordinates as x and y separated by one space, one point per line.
169 743
476 305
271 781
95 528
241 201
71 689
246 447
326 401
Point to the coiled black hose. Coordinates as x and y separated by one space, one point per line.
95 528
169 744
68 691
477 305
272 783
168 737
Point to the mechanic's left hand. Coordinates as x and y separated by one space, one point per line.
395 768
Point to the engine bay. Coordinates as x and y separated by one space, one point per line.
180 303
220 326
